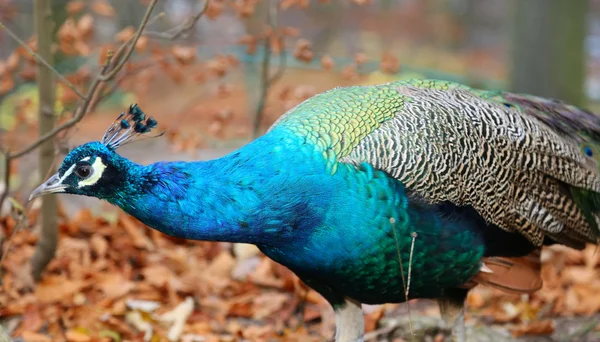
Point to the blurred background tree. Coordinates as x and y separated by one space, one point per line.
548 53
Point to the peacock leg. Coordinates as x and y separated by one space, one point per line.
452 309
349 322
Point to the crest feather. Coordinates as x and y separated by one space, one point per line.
128 128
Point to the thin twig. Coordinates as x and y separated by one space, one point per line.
41 60
184 28
132 44
266 81
100 97
81 111
7 164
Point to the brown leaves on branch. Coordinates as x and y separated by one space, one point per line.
102 7
389 63
184 55
303 51
73 36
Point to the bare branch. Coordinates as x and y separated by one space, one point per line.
7 162
132 43
182 29
114 63
102 77
81 111
41 60
266 81
99 97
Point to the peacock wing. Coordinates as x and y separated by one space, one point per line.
493 151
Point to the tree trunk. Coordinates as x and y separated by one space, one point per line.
548 57
48 240
4 336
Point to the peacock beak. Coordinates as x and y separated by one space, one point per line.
52 185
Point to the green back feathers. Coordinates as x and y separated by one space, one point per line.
522 162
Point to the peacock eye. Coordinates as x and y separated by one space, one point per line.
83 171
588 151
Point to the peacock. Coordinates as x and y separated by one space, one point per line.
376 194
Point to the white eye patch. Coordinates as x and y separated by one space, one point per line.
66 174
97 170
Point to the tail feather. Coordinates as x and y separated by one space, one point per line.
569 180
516 275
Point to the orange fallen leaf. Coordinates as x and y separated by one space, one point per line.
140 240
77 336
30 336
54 289
544 327
222 265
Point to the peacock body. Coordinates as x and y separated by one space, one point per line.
375 194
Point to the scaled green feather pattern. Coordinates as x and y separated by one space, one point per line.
498 152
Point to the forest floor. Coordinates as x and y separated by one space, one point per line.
114 279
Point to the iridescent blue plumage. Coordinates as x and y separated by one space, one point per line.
298 213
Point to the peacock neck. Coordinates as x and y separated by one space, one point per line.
241 197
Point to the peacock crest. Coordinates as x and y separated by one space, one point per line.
128 127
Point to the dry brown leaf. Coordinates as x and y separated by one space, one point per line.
68 32
303 51
28 73
215 8
12 62
102 7
222 265
217 67
591 254
54 289
475 300
125 34
99 245
140 240
185 55
579 274
7 83
158 275
545 327
85 25
142 44
290 31
349 72
360 58
267 303
114 285
77 336
30 336
327 62
74 7
389 63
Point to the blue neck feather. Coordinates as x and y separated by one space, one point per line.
243 197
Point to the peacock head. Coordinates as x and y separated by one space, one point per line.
95 169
